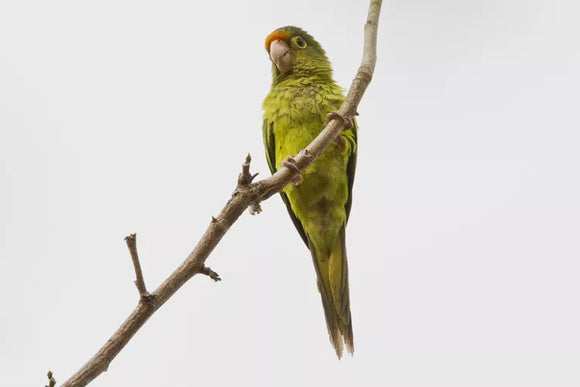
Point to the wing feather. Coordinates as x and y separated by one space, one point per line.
270 144
351 167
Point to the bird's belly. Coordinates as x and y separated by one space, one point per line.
320 198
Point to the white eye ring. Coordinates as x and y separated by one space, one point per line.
300 42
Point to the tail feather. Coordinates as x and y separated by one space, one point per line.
332 273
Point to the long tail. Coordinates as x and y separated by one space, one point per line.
332 273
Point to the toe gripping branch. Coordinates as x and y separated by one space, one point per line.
290 163
346 121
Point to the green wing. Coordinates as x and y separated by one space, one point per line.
270 145
351 167
268 135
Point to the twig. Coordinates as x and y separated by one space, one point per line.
210 273
131 241
246 195
244 180
51 380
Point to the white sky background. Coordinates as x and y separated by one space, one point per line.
125 116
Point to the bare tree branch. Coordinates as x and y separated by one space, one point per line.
246 195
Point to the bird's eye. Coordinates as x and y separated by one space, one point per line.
300 42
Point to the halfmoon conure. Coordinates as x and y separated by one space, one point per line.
303 93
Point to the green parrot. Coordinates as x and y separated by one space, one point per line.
303 93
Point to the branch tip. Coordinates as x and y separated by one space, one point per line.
245 178
210 273
131 241
51 380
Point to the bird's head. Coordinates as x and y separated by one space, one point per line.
293 51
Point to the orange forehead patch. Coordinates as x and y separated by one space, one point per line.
276 35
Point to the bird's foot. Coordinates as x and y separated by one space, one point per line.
347 122
291 164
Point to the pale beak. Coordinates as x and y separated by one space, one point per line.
280 55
